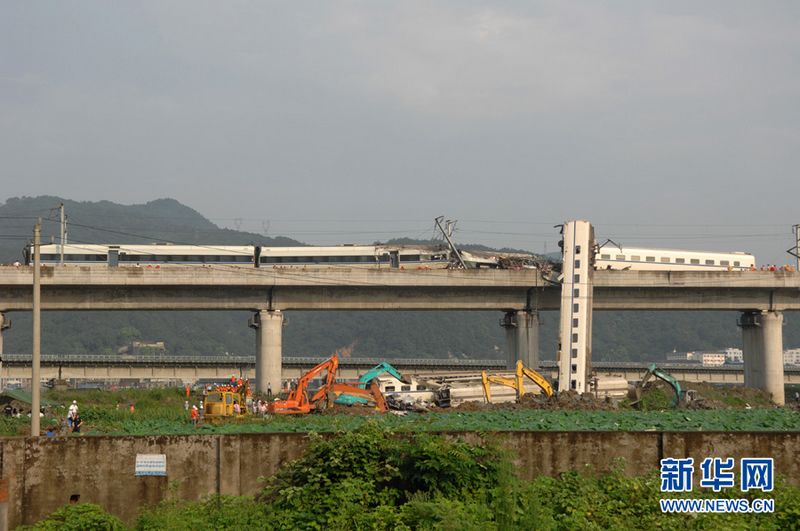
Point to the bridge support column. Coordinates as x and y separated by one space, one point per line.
4 325
752 354
762 348
269 339
772 332
522 338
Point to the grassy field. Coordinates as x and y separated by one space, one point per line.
161 412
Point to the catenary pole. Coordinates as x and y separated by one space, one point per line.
37 331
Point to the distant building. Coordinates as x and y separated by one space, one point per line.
733 355
681 357
143 348
791 356
713 359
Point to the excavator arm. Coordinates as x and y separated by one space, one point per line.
654 371
350 399
372 395
517 382
488 380
298 401
535 377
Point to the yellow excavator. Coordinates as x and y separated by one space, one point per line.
517 382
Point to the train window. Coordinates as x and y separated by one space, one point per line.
605 257
575 307
576 292
620 257
665 259
574 338
709 262
724 262
389 388
577 278
680 260
405 388
577 249
409 258
737 264
575 323
574 355
650 258
636 258
695 261
577 264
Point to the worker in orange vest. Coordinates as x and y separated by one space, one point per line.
195 415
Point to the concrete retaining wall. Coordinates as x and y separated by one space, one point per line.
43 473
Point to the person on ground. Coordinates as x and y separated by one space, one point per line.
237 409
195 415
76 424
72 414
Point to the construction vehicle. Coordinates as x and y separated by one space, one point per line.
516 382
370 396
681 397
301 401
219 404
378 370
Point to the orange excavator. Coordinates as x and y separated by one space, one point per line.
299 401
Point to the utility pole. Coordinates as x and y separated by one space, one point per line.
797 246
63 230
447 233
37 330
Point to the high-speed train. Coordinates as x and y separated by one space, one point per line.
372 256
611 256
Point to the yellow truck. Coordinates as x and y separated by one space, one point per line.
220 405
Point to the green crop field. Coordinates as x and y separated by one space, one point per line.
161 412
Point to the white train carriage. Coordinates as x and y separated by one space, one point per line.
143 254
611 256
371 256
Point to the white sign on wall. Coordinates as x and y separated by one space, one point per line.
151 465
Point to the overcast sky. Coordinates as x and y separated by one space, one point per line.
668 123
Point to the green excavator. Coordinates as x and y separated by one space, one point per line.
378 370
681 397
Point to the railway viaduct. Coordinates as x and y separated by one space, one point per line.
761 297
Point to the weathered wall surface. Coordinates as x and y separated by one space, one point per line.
43 473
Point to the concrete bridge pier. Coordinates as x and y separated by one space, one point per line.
750 324
522 338
772 332
762 348
269 340
4 325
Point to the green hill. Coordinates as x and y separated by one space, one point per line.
617 335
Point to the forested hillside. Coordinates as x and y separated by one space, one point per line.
617 335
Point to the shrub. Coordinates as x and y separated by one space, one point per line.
79 517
